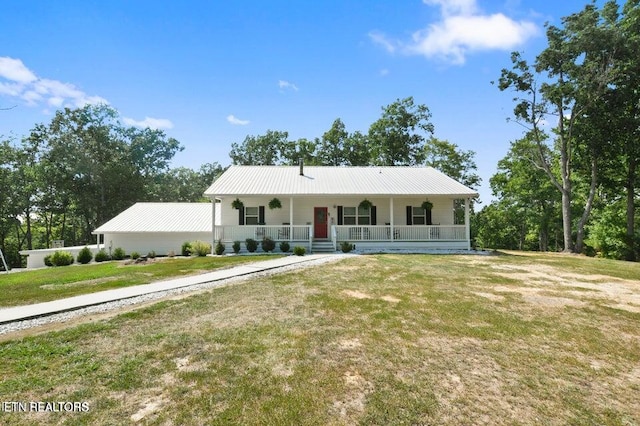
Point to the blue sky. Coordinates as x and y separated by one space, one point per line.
210 73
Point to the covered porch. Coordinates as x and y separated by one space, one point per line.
386 223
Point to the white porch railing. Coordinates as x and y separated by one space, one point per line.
258 232
400 233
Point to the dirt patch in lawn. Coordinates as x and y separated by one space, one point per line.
356 294
576 289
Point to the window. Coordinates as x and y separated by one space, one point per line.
418 214
364 216
458 212
251 215
349 216
358 216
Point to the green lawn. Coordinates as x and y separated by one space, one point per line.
47 284
382 339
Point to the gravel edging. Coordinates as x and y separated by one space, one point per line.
109 306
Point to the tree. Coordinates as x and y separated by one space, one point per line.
577 70
398 137
357 149
331 150
526 190
264 150
450 160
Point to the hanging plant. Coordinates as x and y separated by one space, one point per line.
275 204
365 204
427 205
237 204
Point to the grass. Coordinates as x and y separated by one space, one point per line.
47 284
384 339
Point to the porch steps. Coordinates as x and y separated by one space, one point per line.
321 246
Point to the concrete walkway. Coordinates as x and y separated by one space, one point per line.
19 313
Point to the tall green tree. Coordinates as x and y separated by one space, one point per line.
521 187
570 76
357 149
398 137
332 149
263 150
452 161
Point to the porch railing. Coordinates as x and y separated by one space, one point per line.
258 232
400 233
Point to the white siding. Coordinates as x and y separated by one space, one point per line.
442 212
161 243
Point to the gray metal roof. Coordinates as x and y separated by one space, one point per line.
160 217
324 180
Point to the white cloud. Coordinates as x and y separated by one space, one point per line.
152 123
236 121
462 29
22 83
284 85
381 40
14 70
384 72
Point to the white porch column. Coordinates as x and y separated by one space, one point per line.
290 218
213 223
391 218
467 223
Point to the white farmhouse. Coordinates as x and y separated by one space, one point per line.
320 207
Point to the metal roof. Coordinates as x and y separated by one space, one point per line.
324 180
160 217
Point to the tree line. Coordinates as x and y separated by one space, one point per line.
570 183
71 175
67 177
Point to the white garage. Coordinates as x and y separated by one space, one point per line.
159 227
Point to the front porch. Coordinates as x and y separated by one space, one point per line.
363 236
380 223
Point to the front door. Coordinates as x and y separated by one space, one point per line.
320 222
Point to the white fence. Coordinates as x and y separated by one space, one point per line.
400 233
258 232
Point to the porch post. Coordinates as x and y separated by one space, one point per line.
391 218
467 223
290 218
213 223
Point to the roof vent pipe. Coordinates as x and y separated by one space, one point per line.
301 167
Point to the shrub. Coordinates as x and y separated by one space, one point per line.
47 260
219 248
236 247
118 254
151 254
186 248
135 255
346 246
102 256
299 250
171 253
61 258
252 245
84 256
284 246
200 248
268 244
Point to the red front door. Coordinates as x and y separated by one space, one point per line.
320 222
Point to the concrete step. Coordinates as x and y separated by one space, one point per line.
322 247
